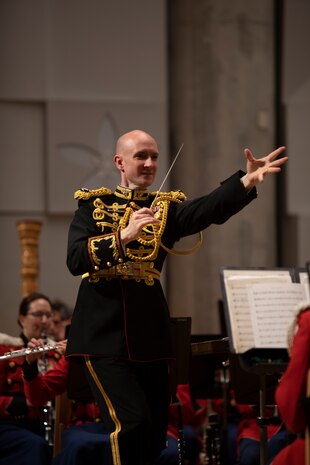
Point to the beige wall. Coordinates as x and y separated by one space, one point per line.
73 76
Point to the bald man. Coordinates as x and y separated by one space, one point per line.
120 329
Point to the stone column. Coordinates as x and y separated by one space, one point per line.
221 101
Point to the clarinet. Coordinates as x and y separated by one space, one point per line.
48 408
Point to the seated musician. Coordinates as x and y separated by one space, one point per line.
86 439
61 320
248 436
83 440
193 415
22 431
292 390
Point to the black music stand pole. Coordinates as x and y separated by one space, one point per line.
262 420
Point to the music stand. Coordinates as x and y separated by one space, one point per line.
243 305
179 370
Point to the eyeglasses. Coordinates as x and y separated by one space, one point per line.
40 314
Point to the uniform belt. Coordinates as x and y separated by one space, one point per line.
127 270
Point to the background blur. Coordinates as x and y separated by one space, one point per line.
215 75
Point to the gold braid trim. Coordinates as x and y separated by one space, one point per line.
151 235
85 194
187 251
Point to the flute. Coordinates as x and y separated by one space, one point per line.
29 351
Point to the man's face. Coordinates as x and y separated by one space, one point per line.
138 163
37 320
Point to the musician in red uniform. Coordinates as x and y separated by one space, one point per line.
292 390
186 418
83 439
22 433
248 436
118 242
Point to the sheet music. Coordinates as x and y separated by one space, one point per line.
304 279
273 308
236 284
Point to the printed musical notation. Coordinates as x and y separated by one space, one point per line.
261 306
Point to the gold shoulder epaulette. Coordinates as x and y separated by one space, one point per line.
85 194
174 196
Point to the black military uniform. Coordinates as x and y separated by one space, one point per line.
121 313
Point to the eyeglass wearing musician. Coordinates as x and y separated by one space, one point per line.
118 242
21 426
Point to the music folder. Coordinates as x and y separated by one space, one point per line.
259 306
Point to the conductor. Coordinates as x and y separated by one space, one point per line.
120 329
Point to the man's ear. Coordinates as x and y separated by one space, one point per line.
118 160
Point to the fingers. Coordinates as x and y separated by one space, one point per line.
61 346
249 155
35 343
278 161
277 152
144 216
270 156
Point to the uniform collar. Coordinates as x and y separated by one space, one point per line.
131 194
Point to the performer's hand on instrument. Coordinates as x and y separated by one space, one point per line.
32 344
61 346
258 168
139 219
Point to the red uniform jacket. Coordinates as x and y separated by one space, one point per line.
42 389
12 398
191 415
292 390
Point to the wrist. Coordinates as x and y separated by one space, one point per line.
246 182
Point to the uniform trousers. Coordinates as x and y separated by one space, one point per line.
19 445
250 449
133 398
192 446
84 444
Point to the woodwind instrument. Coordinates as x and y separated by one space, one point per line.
29 351
48 408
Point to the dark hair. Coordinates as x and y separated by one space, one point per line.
25 303
64 310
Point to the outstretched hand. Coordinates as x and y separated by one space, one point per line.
258 168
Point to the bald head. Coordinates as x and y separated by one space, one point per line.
127 141
136 159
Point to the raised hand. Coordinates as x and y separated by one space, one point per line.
258 168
